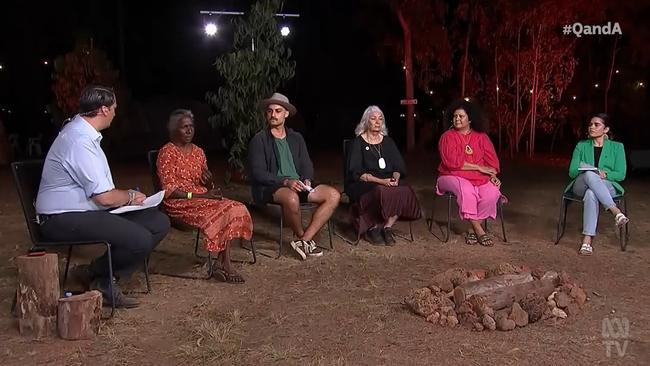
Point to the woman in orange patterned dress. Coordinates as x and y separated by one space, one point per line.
191 197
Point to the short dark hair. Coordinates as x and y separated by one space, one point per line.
474 114
94 97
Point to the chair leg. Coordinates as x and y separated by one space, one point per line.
561 221
444 235
329 233
448 233
348 240
624 231
251 249
281 227
146 274
433 213
210 269
410 238
67 266
110 279
196 244
503 225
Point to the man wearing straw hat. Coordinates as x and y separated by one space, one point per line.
282 172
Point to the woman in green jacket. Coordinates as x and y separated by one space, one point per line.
597 166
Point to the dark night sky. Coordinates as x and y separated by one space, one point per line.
166 53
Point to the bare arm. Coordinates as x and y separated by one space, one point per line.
119 197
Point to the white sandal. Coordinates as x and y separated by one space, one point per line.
621 219
586 249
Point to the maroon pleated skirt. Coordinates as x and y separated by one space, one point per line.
382 202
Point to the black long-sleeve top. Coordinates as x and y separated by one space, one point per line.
364 158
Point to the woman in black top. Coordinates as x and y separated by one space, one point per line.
374 180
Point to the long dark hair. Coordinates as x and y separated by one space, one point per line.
474 114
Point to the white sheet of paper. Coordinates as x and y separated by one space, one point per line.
584 167
151 201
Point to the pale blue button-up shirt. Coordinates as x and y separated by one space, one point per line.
75 170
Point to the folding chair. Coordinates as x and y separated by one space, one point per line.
568 197
27 177
452 197
354 206
152 158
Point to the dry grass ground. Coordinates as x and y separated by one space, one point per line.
346 307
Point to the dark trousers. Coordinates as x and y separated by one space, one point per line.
132 235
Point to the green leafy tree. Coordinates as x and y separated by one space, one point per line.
257 66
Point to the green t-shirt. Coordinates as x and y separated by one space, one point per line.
286 168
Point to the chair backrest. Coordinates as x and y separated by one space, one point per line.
152 157
346 162
27 177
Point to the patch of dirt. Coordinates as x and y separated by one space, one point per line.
346 307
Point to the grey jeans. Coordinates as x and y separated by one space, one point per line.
593 189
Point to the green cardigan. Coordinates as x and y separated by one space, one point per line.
612 161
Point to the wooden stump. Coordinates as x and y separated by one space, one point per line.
79 315
504 297
465 291
37 294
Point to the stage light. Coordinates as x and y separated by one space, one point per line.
210 29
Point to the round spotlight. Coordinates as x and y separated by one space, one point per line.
284 31
210 29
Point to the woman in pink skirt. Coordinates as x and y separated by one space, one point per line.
468 169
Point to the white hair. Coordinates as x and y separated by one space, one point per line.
363 124
176 116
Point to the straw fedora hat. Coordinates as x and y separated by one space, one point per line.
279 99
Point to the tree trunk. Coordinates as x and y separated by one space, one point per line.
504 297
37 295
79 316
408 78
611 70
463 292
462 83
496 73
6 151
518 91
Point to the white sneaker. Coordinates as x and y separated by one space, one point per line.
312 249
299 247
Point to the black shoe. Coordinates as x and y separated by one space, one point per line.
121 300
374 237
387 233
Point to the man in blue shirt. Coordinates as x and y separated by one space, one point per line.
77 190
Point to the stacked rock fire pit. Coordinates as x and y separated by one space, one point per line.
502 297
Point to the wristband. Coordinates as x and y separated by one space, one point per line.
131 197
189 195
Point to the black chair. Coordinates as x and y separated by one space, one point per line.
27 177
152 158
452 198
354 206
568 197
